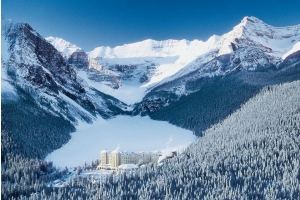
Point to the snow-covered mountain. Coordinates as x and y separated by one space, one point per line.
150 75
250 151
32 66
214 85
131 69
64 47
128 72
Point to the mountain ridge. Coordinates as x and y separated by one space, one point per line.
158 62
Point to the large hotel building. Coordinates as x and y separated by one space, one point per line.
113 159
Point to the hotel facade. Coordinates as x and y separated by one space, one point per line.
113 159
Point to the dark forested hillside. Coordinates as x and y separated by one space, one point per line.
217 98
28 134
34 131
212 98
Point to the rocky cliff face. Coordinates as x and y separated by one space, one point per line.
34 65
79 59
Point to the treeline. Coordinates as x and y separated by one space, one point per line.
34 131
215 99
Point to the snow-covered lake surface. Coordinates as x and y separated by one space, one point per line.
124 133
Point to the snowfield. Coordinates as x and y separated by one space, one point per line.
124 133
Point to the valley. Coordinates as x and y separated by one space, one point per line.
229 105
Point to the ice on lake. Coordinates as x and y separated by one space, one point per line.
125 133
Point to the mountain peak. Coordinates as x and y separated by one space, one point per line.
252 23
251 19
64 47
11 27
252 31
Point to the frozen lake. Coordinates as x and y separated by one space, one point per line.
125 133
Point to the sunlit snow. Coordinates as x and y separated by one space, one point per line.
63 46
124 133
170 59
294 49
8 92
128 93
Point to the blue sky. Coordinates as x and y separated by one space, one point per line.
90 23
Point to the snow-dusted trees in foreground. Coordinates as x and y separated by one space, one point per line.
253 154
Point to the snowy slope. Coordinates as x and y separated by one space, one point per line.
35 67
136 68
251 43
274 40
294 49
151 48
8 91
167 57
63 46
129 64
